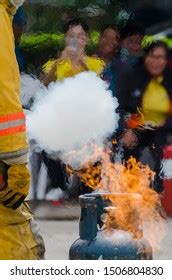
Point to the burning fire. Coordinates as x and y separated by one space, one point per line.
128 188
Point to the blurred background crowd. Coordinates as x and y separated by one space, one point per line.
127 43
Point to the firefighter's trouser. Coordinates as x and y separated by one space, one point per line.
21 241
20 238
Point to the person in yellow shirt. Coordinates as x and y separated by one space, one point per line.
146 101
72 61
17 239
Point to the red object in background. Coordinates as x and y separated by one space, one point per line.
135 120
167 197
167 182
56 203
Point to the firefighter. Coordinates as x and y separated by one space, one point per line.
19 235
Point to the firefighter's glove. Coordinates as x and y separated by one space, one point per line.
16 186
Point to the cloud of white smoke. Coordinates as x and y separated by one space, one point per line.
30 88
74 114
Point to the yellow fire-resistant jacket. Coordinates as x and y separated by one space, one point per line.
19 238
12 119
14 175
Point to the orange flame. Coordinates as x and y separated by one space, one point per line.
128 187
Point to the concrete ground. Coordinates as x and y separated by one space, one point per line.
59 235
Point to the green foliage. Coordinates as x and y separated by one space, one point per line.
39 48
168 41
93 41
39 42
149 39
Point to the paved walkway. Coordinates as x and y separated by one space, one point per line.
60 228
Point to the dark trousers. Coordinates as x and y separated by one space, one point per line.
58 177
155 140
56 172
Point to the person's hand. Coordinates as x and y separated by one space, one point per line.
47 78
76 56
70 53
129 139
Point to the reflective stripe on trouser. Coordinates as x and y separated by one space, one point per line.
18 242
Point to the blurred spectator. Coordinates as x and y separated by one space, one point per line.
131 44
108 48
72 61
108 45
145 100
19 25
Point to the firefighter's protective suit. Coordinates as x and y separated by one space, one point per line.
17 238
